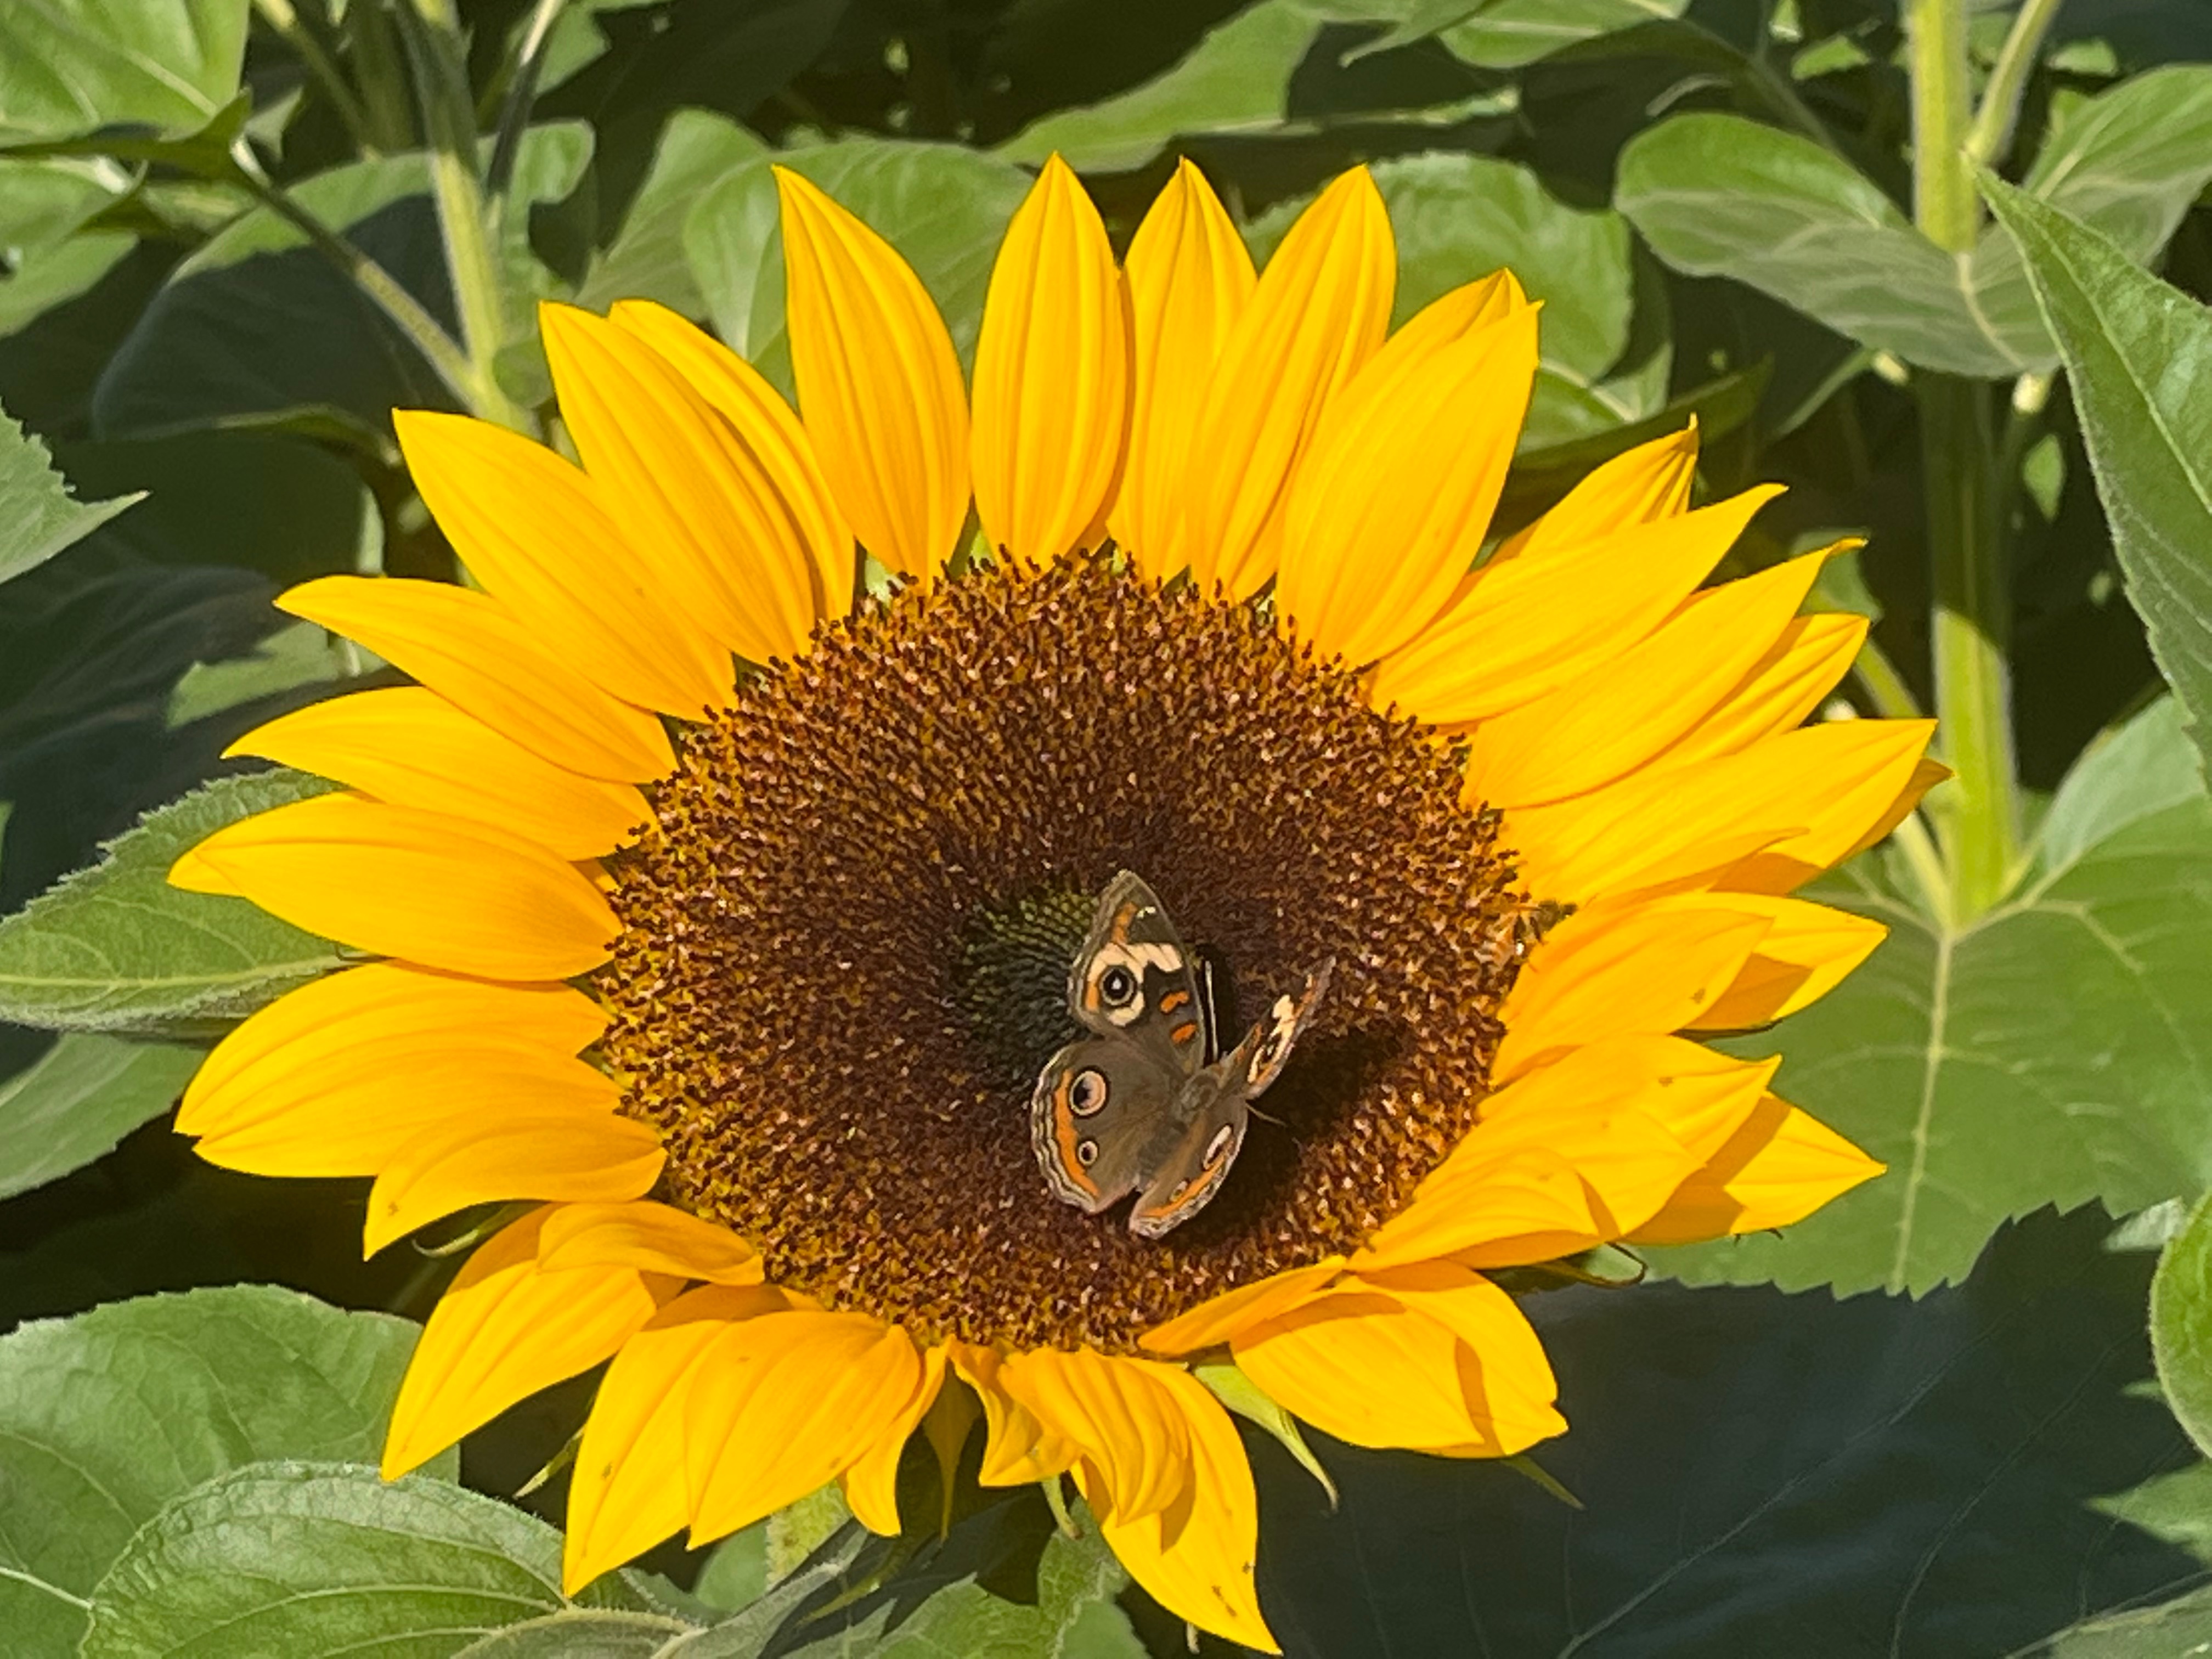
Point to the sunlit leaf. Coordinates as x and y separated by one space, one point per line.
78 1099
115 948
38 516
167 64
2181 1325
106 1417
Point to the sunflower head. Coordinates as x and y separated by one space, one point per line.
727 922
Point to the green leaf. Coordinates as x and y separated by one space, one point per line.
299 654
1717 195
646 259
76 1101
2050 1052
115 948
1238 82
2183 1625
40 515
2181 1325
321 1557
1766 1474
256 321
1509 33
943 207
582 1634
2139 357
106 1417
169 64
1458 217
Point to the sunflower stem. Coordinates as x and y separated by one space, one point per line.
1991 132
1055 1499
1971 620
467 220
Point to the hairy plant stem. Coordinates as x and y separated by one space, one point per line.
281 16
1988 138
466 219
1971 620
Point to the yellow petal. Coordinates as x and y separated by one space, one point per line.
628 1492
767 431
536 534
1782 690
1052 376
878 383
408 746
1019 1450
474 652
1121 1414
1219 1318
502 1331
1781 1166
1635 969
1637 486
730 553
1573 1154
1531 624
1464 1371
871 1483
783 1404
1805 955
1189 279
580 1155
438 891
352 1110
338 1021
1389 509
1807 793
1320 310
1600 727
1195 1556
652 1237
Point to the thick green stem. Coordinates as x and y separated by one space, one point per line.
1944 204
1991 132
465 219
281 16
1970 628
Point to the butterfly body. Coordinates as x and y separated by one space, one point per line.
1144 1103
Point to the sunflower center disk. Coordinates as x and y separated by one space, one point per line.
845 937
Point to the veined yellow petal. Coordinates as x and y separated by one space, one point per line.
1052 376
1195 1556
1526 1204
434 890
1781 1166
1786 685
476 652
728 548
1320 310
767 431
1219 1318
408 746
1190 280
1390 506
628 1492
652 1237
502 1331
1641 968
544 1153
1533 623
1854 780
785 1403
351 1109
871 1483
1636 487
1616 719
1466 1372
878 382
1805 955
1122 1413
378 1006
534 531
1019 1450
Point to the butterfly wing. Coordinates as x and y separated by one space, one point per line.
1280 1031
1135 978
1187 1165
1099 1107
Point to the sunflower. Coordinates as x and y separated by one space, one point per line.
721 906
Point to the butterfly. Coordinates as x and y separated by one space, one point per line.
1146 1103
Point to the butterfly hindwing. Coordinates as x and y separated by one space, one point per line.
1186 1166
1099 1105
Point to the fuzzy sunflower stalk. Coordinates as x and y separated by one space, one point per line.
726 916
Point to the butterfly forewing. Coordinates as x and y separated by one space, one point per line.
1135 978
